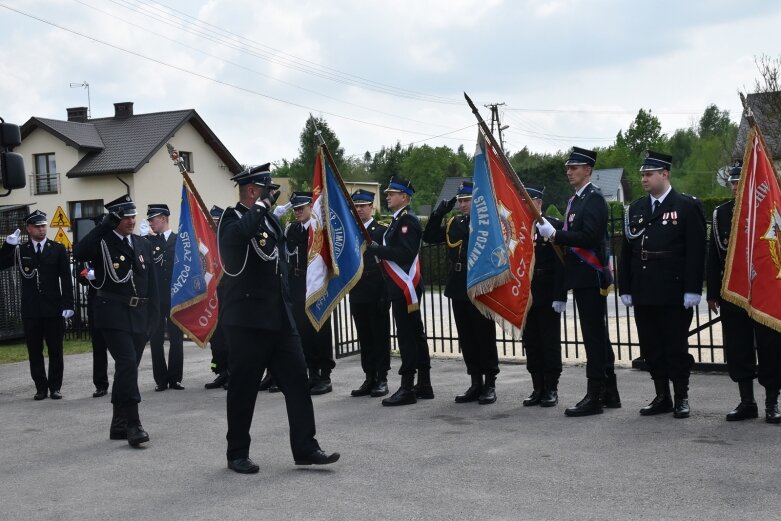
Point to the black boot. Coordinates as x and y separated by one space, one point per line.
747 408
323 384
220 380
489 390
314 376
366 387
380 385
405 395
550 390
136 435
534 397
590 403
266 382
473 393
681 399
118 429
610 398
772 414
662 403
423 390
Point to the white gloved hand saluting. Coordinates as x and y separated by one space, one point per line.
627 300
559 306
90 275
143 228
691 300
545 228
281 209
13 239
67 313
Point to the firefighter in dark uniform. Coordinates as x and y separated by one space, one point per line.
741 332
370 307
542 330
47 299
126 307
476 333
163 252
400 250
256 316
660 273
318 346
217 343
587 273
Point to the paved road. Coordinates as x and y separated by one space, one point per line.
432 461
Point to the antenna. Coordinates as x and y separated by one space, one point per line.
85 85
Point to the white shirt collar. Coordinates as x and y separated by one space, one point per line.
308 223
367 223
35 244
129 238
167 233
580 192
397 212
661 197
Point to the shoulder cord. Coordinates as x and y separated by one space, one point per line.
715 232
627 233
263 256
28 276
108 269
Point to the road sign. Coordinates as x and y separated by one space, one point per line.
62 238
60 219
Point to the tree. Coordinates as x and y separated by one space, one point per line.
301 169
644 133
714 122
770 71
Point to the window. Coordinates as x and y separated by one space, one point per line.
45 181
187 158
85 209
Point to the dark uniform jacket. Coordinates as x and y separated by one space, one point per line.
252 249
163 253
296 253
548 280
586 228
663 255
110 313
371 286
51 291
402 239
717 248
456 235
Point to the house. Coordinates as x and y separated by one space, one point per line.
79 164
611 182
766 107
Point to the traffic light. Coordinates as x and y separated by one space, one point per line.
11 164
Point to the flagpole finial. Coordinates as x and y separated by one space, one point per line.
747 112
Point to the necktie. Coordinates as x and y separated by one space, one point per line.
126 241
38 249
655 206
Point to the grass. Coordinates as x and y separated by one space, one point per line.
16 351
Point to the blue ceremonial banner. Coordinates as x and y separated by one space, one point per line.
336 253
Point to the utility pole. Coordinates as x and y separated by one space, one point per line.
494 108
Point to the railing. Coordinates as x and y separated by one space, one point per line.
41 184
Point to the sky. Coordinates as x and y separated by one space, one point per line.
569 72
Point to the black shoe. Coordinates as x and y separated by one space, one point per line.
318 457
681 408
610 398
659 405
550 397
681 398
118 429
99 392
488 395
590 403
56 395
274 388
176 386
534 398
424 392
160 387
323 386
743 411
470 395
41 395
136 435
364 390
266 382
220 380
403 396
772 414
243 466
380 389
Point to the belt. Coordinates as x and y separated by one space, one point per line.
116 297
298 272
651 255
457 266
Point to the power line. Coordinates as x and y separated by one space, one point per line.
605 112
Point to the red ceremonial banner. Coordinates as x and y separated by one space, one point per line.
752 274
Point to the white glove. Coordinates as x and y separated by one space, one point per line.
627 300
545 228
143 228
559 306
67 313
691 300
13 239
280 210
90 275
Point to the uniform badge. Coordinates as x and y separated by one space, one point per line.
641 220
122 257
264 234
26 269
157 248
262 242
404 229
116 265
140 259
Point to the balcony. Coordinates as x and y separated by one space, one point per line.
41 184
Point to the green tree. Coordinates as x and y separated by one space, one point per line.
301 169
644 133
714 122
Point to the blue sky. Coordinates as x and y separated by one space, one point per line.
570 72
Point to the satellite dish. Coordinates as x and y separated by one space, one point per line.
722 174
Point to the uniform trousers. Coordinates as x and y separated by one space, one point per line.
219 346
36 330
592 307
99 349
476 339
372 322
741 334
663 332
411 338
126 348
542 340
251 350
317 345
171 373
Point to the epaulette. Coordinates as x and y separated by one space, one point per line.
596 189
384 223
689 196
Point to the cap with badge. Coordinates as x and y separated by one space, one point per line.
656 161
37 218
734 172
299 199
464 190
581 156
153 210
216 212
361 196
534 192
258 175
399 184
122 206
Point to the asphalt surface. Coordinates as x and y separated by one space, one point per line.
430 461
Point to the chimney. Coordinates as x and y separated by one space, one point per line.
77 114
123 110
